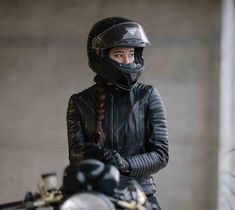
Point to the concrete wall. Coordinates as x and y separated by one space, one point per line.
43 61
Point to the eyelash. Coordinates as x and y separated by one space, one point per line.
120 55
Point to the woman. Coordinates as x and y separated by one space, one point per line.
118 120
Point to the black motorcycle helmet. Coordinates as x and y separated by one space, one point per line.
90 175
116 32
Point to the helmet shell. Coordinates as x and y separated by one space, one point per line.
90 175
116 32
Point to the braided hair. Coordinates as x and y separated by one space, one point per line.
100 88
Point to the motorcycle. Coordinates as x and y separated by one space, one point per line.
88 185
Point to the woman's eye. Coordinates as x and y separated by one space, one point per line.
118 55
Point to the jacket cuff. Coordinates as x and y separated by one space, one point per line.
145 164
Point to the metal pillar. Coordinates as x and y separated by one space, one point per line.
225 178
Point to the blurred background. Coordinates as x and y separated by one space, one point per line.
191 62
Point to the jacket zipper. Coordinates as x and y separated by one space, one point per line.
111 122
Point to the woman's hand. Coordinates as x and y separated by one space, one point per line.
93 151
114 158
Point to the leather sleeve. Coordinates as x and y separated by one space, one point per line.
74 132
156 156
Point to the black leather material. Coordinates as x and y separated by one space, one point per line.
112 157
135 126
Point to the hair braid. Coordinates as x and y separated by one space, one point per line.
100 107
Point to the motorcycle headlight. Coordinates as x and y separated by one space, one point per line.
88 201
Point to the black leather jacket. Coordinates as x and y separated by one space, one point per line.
135 125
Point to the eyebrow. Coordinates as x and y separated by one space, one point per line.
120 51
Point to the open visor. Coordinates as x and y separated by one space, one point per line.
127 34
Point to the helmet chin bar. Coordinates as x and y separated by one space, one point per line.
130 68
124 76
128 81
124 87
